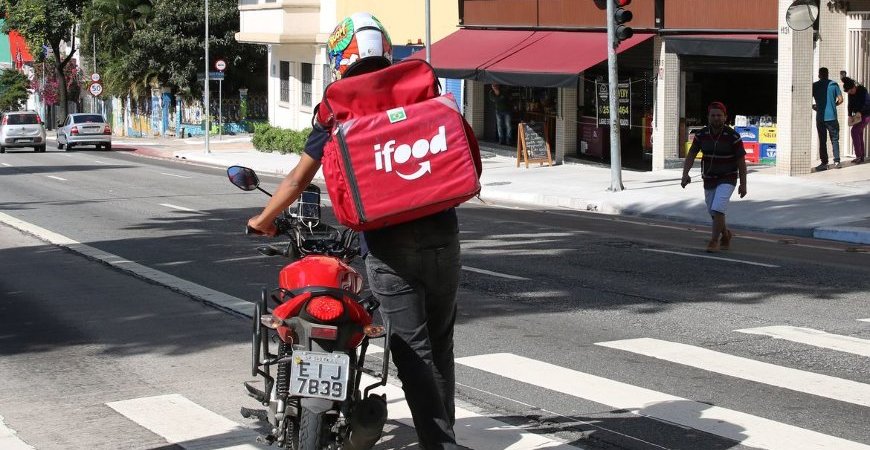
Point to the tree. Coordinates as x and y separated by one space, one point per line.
13 89
144 44
47 23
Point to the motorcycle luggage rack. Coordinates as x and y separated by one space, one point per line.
385 368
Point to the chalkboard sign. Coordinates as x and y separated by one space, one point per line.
532 145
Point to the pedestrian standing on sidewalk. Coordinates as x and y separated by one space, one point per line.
859 115
722 164
501 97
827 96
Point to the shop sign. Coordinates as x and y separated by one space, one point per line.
602 107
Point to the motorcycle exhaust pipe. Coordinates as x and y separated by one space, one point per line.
367 423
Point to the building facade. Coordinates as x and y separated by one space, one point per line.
295 34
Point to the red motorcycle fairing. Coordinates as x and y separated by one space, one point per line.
318 270
321 271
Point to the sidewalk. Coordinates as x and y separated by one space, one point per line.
834 204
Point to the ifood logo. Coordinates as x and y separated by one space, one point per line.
388 155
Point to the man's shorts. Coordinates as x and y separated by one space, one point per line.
718 198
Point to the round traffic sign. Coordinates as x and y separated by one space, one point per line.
95 89
95 77
220 65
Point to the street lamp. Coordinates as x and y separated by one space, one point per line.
206 83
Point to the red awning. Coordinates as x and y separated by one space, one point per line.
555 58
462 53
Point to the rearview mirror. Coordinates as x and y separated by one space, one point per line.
244 178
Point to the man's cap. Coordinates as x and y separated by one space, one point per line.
717 105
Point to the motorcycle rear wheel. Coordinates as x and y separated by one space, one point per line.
313 431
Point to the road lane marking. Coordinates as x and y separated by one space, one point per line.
180 208
185 423
472 429
815 338
206 295
710 257
173 175
748 369
9 440
57 178
864 320
749 430
495 274
7 164
101 162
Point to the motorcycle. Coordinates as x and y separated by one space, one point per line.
314 330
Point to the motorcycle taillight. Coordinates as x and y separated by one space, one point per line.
325 309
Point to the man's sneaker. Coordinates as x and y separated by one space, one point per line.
713 246
725 241
837 165
821 167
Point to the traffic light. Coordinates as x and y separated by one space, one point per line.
622 16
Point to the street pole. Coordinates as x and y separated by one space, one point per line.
207 82
94 40
221 108
428 32
613 81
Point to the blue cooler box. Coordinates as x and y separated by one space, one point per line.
768 153
748 134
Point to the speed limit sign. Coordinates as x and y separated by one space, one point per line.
96 88
220 65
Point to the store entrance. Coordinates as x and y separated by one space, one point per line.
528 104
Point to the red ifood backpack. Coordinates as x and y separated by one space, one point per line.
398 150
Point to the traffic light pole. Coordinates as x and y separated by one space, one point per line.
613 80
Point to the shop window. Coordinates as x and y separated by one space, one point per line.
284 74
306 77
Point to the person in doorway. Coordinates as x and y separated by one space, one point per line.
500 96
859 115
413 267
827 96
722 164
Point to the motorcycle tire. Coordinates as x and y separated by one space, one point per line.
313 431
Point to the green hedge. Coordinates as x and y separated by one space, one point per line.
273 139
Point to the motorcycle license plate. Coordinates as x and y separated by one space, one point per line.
320 375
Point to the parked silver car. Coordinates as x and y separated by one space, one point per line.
84 129
22 129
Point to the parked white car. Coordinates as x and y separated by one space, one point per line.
84 129
22 129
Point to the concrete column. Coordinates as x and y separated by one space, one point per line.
179 109
475 104
566 125
833 48
165 103
666 120
795 119
156 113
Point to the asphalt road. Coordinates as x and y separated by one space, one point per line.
596 331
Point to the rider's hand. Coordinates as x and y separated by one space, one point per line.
686 180
741 190
266 229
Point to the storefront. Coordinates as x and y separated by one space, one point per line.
545 82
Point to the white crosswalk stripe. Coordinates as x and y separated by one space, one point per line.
472 429
815 338
748 369
745 428
186 424
9 439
